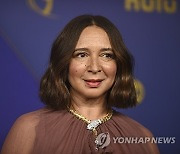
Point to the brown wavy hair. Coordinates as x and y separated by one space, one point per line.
54 85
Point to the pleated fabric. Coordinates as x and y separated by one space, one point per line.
60 132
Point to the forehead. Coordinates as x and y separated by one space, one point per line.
94 31
93 35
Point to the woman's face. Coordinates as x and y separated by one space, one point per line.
92 69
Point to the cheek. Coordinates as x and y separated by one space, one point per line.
76 69
73 71
111 70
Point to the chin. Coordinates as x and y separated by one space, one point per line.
93 95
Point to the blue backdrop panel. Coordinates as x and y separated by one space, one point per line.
19 92
150 29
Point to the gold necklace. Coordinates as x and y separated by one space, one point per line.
92 124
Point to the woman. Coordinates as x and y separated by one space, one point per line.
90 71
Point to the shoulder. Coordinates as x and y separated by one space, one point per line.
27 121
129 127
132 125
31 117
21 136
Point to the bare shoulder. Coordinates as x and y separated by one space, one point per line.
21 136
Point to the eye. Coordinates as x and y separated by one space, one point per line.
80 55
108 55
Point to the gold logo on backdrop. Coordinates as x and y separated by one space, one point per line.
167 6
140 91
46 11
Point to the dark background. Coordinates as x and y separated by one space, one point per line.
151 31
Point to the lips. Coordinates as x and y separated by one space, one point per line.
93 83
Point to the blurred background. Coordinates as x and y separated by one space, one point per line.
150 29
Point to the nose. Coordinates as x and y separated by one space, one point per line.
94 65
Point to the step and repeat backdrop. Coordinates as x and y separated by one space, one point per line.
150 29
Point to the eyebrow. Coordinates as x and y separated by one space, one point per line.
86 49
80 49
106 49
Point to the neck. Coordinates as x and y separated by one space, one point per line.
91 109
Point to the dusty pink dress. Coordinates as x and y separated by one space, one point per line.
59 132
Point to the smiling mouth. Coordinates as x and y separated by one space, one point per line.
93 83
